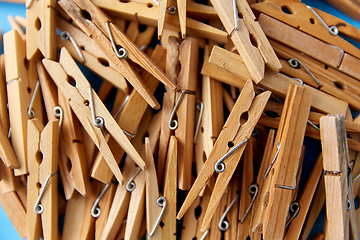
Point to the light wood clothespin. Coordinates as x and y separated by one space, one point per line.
20 79
185 110
340 209
234 134
129 118
165 8
107 36
43 143
147 13
276 82
286 160
40 29
81 98
84 49
254 50
306 19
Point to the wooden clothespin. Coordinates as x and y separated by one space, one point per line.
147 13
165 8
43 143
129 117
276 82
84 50
172 65
210 121
40 29
256 50
20 79
348 7
286 160
185 110
314 74
305 200
330 55
306 19
80 98
234 135
106 35
338 180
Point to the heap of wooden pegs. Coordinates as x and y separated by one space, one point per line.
202 134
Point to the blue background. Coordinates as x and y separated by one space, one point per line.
7 230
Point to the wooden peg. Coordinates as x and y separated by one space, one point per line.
235 133
17 82
291 132
184 133
93 57
170 191
166 8
172 63
239 34
299 18
305 200
336 160
153 211
130 116
147 13
41 26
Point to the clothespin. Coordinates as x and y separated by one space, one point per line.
79 99
256 223
16 26
349 7
148 13
249 192
23 105
179 9
185 110
43 143
340 199
155 204
84 50
210 121
172 65
294 229
234 135
313 73
101 28
276 82
286 160
256 50
306 19
128 119
330 55
40 29
129 198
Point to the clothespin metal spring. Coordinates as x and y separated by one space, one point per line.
333 30
58 112
161 202
173 124
95 210
294 62
98 121
64 35
219 165
295 211
130 186
253 189
223 224
200 107
121 52
38 208
30 111
272 162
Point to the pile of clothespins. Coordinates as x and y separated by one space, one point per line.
197 136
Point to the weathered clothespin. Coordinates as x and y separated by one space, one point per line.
85 104
254 50
165 8
41 29
233 137
340 209
108 37
42 198
286 157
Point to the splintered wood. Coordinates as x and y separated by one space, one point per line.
128 116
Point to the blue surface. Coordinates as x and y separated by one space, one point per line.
7 230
